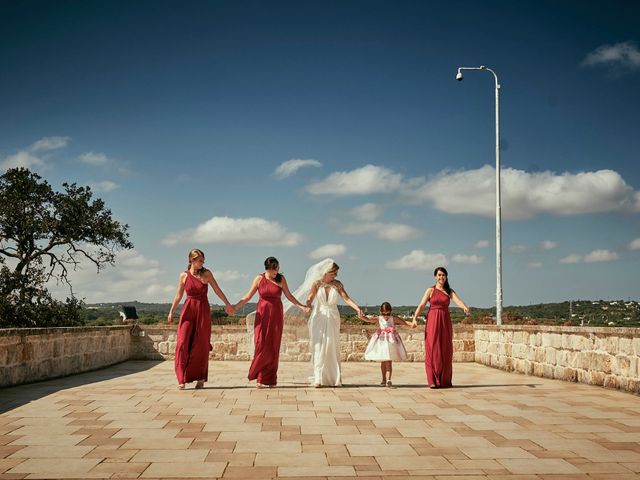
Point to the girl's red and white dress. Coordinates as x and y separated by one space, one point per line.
386 343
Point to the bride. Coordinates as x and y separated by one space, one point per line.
323 292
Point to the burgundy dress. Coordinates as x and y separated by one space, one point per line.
438 341
267 334
194 333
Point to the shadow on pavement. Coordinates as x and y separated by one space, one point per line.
14 397
349 386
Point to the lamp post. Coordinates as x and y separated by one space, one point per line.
498 203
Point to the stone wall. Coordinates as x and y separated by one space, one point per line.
609 357
233 343
28 355
598 356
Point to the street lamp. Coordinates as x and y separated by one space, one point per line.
459 77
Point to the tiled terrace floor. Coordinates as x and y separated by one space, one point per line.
129 421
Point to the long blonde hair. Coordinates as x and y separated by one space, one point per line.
193 254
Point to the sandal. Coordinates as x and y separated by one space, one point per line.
389 384
200 384
181 386
383 383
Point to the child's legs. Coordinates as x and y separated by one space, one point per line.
389 369
385 368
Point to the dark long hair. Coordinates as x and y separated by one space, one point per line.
269 264
446 286
385 307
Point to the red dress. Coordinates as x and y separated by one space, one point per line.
438 341
267 334
194 333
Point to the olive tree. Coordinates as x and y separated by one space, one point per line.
44 235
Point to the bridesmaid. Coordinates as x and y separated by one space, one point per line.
194 329
269 321
438 333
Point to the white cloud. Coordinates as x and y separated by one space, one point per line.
534 264
134 277
548 245
367 212
601 256
104 186
394 232
481 244
470 259
228 275
34 157
94 159
623 55
361 181
525 194
418 260
290 167
237 231
49 143
517 248
634 244
329 250
573 258
22 159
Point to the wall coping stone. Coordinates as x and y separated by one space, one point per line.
626 331
23 332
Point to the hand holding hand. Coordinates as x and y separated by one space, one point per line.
414 323
306 309
230 310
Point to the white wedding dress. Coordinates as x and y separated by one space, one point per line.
324 337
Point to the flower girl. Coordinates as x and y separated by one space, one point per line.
385 345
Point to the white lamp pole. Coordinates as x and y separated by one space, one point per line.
498 202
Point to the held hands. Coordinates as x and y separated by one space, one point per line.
230 309
306 308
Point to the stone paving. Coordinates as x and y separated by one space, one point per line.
130 421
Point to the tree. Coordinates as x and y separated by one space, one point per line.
44 235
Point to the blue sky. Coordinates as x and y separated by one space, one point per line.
299 129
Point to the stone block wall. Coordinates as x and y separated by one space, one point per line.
233 343
609 357
28 355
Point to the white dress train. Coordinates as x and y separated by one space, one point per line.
324 337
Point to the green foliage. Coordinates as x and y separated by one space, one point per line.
43 235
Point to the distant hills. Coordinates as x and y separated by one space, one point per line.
574 312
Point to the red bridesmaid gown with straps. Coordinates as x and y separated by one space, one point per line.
267 333
438 341
194 333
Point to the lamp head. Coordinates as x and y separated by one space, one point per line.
459 75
